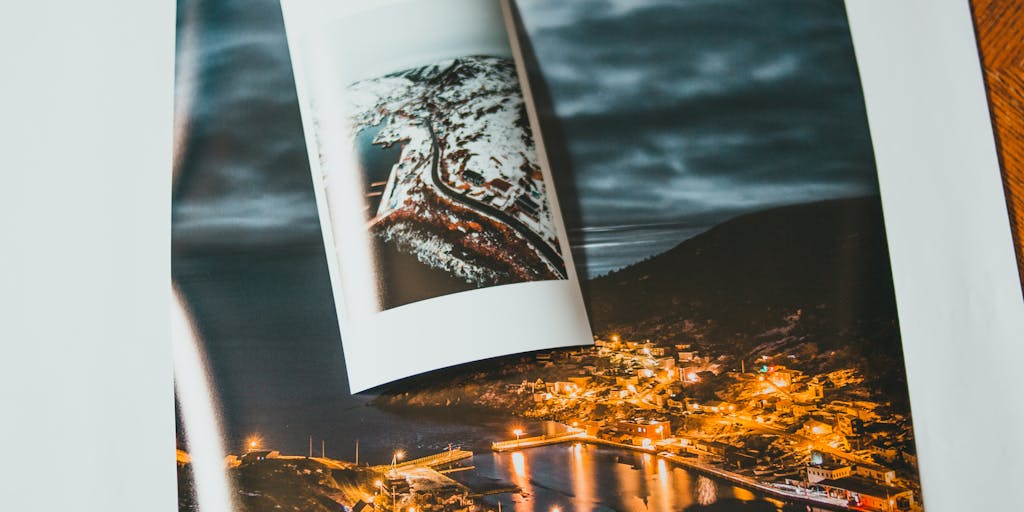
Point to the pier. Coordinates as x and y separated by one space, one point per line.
533 442
423 474
430 461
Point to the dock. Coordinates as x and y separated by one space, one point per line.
430 461
534 442
423 474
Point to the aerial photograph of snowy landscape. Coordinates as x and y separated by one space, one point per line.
455 199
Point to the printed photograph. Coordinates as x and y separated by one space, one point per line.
715 170
455 199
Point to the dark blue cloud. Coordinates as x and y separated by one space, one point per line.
691 112
243 174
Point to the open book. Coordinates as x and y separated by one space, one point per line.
580 255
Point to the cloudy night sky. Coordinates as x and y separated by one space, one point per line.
680 114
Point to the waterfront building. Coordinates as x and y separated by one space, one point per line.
645 432
827 471
875 472
866 494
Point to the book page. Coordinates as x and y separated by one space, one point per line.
722 200
443 241
761 262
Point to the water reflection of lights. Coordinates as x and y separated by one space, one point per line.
664 478
521 478
582 474
519 464
707 492
585 478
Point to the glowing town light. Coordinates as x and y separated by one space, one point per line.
254 442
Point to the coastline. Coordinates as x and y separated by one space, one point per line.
703 469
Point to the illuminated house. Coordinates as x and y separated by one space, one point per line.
656 351
665 363
815 389
782 377
562 388
645 433
260 455
722 407
875 472
816 428
688 374
866 494
819 472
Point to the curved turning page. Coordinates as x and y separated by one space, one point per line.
443 241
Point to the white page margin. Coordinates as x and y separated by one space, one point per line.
957 286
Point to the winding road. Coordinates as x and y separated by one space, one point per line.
554 259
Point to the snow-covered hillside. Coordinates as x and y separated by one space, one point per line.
468 166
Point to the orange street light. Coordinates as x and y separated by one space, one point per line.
253 442
399 455
518 432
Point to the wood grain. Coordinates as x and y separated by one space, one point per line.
999 25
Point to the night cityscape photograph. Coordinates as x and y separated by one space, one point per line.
718 185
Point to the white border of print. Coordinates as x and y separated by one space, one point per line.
86 388
957 287
83 391
443 331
